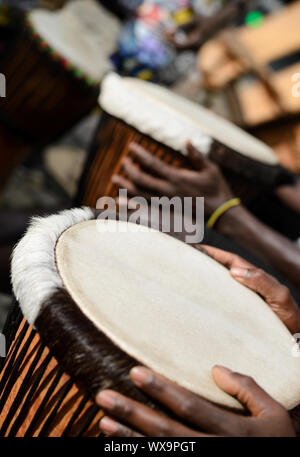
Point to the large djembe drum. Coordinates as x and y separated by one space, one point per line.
99 296
163 122
53 70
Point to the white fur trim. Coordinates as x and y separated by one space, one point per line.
33 269
174 120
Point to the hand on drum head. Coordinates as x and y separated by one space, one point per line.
196 416
158 178
276 295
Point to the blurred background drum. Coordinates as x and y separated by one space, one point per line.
53 80
163 122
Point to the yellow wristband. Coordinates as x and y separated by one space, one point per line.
221 210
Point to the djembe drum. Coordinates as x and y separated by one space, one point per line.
163 122
53 70
93 291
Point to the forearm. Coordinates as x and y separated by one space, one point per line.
240 225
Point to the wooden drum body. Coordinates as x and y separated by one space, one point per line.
163 122
37 397
109 147
100 305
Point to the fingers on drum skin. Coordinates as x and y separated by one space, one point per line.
247 392
141 417
146 181
151 163
113 428
195 156
227 259
187 406
130 187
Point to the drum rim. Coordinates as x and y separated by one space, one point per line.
119 98
256 172
54 306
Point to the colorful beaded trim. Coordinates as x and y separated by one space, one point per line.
63 62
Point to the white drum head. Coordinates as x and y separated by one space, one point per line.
174 120
82 32
175 309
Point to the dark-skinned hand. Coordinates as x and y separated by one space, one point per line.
157 178
276 295
196 416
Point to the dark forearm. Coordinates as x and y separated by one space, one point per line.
240 225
